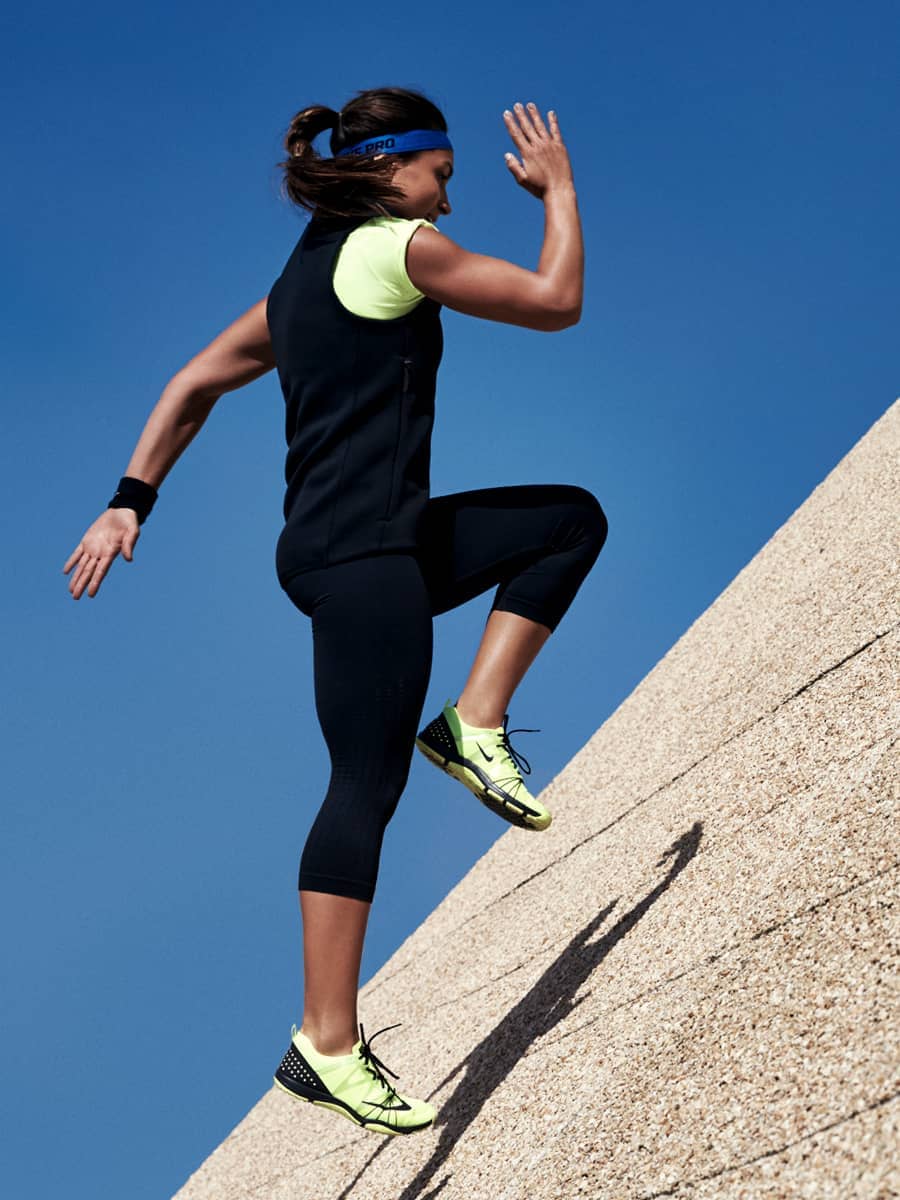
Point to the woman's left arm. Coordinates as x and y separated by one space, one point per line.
240 354
237 356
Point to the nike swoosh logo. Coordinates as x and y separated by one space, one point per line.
390 1107
489 757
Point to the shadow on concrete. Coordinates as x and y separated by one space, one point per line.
544 1006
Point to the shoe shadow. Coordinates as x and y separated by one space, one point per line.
544 1006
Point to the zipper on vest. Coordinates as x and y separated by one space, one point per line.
407 363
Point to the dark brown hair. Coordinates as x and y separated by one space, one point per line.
353 185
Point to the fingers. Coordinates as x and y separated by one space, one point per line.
536 120
129 542
512 128
521 130
530 127
524 117
543 160
75 582
82 576
73 558
90 575
515 166
98 575
115 531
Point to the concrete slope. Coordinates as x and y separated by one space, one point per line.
682 988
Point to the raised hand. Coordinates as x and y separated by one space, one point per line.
544 159
115 530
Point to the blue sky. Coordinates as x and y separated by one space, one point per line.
737 173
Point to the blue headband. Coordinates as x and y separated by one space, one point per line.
400 143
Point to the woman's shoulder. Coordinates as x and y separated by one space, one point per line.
379 244
389 228
370 276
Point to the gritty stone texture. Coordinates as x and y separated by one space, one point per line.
687 985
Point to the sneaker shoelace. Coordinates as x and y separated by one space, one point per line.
374 1065
515 757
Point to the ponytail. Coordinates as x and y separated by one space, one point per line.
353 185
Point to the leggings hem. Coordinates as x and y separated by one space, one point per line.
524 608
336 886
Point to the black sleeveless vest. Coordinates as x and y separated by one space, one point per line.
359 395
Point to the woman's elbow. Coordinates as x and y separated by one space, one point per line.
573 316
562 318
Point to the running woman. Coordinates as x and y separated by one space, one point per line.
352 326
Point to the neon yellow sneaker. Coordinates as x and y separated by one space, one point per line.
486 763
350 1084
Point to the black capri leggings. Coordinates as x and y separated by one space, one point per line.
372 646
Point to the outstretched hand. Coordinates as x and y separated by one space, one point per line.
545 160
115 530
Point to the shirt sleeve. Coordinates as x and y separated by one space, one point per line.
370 277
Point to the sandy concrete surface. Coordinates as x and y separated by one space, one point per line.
687 986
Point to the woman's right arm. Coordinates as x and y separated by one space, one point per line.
240 354
549 298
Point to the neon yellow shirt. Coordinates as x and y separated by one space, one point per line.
370 276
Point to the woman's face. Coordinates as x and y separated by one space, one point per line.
423 181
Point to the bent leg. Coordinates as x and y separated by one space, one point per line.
535 542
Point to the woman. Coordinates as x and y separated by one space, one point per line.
352 325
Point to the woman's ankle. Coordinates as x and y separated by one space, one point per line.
478 718
328 1042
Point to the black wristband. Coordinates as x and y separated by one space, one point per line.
136 494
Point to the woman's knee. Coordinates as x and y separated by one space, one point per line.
587 526
346 835
595 518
